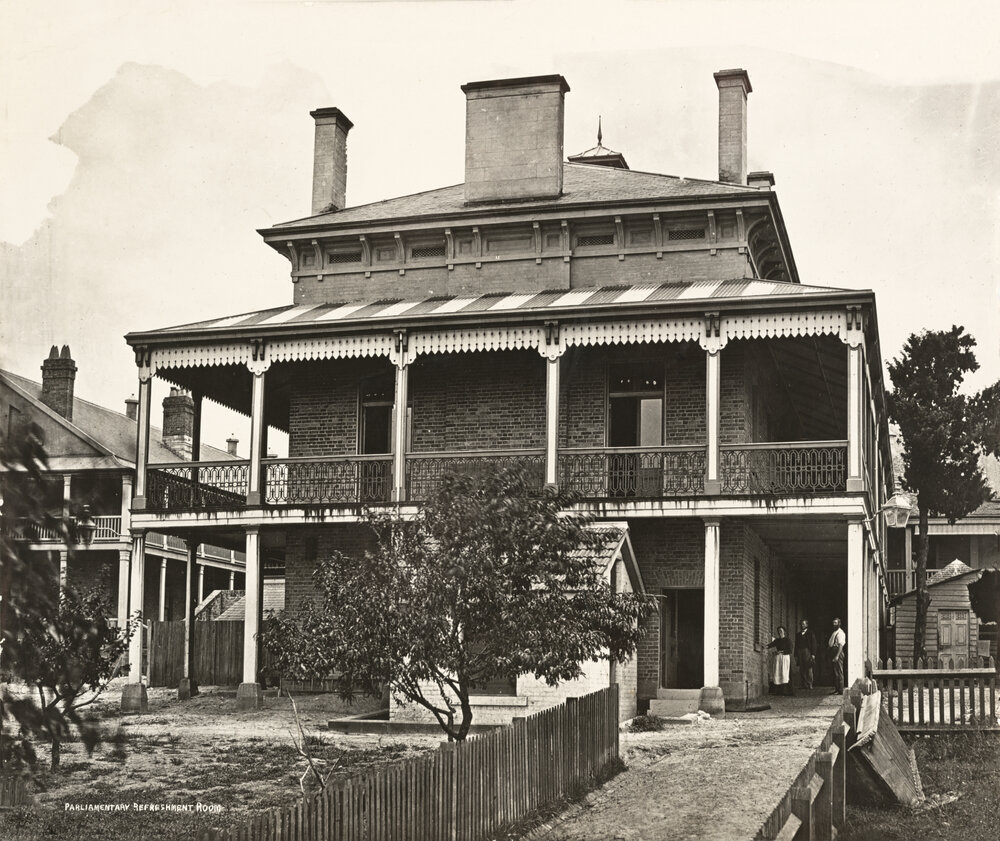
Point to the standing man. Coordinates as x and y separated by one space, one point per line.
805 653
838 639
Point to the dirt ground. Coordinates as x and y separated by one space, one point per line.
221 765
719 779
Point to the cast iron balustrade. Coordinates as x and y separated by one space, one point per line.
632 472
328 480
197 486
793 468
424 471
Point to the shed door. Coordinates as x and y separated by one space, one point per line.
953 634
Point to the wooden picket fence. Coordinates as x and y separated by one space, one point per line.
938 694
13 792
464 791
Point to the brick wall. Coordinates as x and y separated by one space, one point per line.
671 553
306 545
478 401
583 396
323 409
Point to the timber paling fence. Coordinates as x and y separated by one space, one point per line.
939 695
464 791
13 792
814 805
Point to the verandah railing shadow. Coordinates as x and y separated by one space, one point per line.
467 790
939 694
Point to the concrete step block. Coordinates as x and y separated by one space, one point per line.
672 708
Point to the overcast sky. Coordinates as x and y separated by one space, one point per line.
144 142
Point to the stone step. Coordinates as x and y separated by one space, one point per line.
678 694
664 708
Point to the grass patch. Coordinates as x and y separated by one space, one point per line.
965 764
645 724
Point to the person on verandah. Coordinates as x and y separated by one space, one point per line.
782 668
835 646
805 653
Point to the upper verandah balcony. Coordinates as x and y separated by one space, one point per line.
660 392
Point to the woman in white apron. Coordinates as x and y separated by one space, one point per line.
781 671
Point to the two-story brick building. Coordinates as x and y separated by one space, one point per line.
91 469
642 339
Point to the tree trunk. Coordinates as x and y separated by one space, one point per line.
923 594
463 699
55 753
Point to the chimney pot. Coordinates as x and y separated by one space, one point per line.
231 444
330 160
734 85
58 381
514 138
760 180
131 407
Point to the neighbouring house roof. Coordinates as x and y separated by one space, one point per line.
577 301
615 541
111 432
272 600
955 570
582 184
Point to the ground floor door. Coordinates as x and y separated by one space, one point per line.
682 628
953 634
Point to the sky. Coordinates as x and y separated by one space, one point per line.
142 143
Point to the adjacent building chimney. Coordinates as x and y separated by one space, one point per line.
58 379
178 423
330 160
760 180
514 138
734 85
231 444
131 407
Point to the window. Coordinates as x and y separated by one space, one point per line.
635 419
635 405
375 436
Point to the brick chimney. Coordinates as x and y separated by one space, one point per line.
231 443
178 423
58 379
330 160
734 85
131 407
514 138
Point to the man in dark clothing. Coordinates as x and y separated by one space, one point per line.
805 653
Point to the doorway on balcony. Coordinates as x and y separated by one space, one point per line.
635 419
682 643
375 438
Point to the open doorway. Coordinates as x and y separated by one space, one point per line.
682 648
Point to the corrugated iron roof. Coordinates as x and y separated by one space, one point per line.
580 299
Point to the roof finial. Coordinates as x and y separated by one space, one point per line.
599 135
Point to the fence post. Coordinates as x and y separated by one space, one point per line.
823 814
573 728
839 811
802 808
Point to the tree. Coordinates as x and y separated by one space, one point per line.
489 580
945 433
57 643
